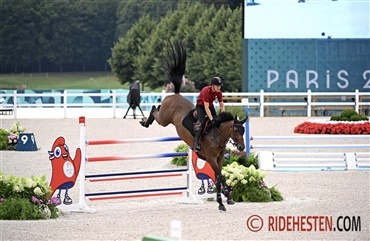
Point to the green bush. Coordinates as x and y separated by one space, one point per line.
335 118
26 198
248 184
3 139
348 115
9 138
275 194
180 160
355 118
20 209
240 157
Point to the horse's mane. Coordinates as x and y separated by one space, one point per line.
224 117
174 64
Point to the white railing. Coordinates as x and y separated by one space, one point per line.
262 103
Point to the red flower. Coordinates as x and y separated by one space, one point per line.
333 128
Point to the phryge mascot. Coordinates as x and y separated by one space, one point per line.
64 169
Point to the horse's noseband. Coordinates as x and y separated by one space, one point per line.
241 131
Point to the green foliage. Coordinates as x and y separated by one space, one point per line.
236 111
26 198
19 209
3 139
204 29
254 194
35 32
349 115
9 138
248 184
240 157
180 160
61 81
275 194
335 118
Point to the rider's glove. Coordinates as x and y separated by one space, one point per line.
212 123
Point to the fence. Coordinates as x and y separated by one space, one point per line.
185 189
113 103
355 156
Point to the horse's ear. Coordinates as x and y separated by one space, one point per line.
244 120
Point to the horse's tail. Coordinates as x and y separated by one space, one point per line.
174 64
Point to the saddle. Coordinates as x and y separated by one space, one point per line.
191 122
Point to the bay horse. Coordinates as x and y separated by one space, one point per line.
175 109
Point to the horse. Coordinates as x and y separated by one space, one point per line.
177 110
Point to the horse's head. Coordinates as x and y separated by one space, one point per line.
237 133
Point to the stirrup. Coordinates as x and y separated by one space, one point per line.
196 147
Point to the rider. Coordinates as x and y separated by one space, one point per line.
205 106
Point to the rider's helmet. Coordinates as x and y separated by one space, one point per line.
216 81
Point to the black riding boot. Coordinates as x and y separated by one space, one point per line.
196 139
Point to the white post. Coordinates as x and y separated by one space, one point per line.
351 161
15 104
189 197
262 101
81 206
265 160
65 103
309 106
114 102
357 101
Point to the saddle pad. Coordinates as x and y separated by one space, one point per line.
188 122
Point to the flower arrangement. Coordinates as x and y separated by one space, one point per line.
349 122
334 127
9 138
248 184
26 198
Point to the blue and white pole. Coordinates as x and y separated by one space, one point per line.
247 132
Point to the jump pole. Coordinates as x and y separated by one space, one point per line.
82 206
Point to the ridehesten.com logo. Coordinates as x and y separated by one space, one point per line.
256 223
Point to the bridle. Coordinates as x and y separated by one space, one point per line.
237 126
226 138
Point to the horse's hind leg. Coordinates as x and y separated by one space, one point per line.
147 122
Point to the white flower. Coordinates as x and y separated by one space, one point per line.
37 191
45 210
16 188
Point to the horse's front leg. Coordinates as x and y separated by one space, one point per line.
221 206
225 189
146 122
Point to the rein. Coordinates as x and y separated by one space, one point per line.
226 138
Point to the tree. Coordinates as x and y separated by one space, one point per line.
212 38
124 62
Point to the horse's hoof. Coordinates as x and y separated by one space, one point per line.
230 202
143 122
222 208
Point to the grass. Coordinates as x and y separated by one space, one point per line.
65 80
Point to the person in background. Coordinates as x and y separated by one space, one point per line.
205 107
